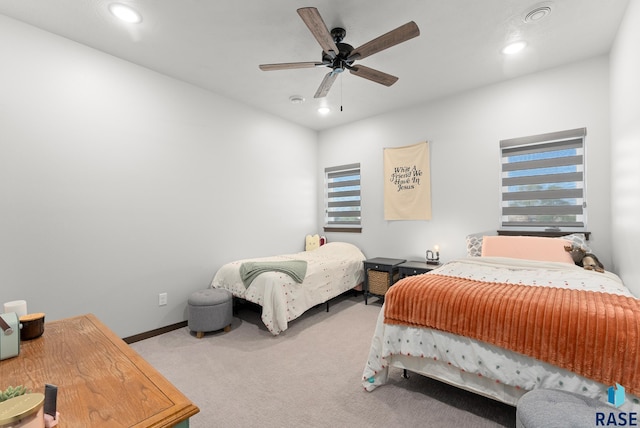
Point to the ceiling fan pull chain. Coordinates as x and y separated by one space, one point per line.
340 92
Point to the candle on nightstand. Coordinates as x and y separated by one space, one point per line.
433 257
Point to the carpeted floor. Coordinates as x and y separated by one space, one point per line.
309 376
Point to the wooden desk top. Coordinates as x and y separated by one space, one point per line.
101 381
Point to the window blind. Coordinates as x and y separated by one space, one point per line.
543 180
342 201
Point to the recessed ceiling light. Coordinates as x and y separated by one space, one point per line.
324 110
125 13
514 48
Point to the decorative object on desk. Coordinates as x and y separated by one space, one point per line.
433 257
51 416
12 392
407 183
32 326
25 411
17 306
9 336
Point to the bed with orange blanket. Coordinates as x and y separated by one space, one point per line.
501 326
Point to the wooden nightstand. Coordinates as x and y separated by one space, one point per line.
379 274
414 268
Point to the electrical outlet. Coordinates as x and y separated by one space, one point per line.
162 299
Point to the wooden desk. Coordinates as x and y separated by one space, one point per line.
101 381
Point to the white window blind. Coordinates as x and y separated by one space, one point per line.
342 196
543 180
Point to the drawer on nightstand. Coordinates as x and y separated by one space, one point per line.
414 268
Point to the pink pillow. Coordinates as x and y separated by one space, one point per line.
526 247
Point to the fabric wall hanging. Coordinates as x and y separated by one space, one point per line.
407 183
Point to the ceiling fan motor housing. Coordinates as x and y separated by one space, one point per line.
339 63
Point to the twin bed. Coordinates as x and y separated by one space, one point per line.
331 269
500 325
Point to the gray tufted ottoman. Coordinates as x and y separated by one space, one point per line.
210 310
550 408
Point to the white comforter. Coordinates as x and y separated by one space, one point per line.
332 269
458 359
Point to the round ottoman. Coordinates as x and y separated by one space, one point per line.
210 310
554 408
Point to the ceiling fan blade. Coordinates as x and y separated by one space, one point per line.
318 28
392 38
290 65
373 75
328 80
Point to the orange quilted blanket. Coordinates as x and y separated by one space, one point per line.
596 335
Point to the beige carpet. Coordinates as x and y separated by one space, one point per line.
309 376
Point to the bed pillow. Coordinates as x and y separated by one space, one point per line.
474 242
526 247
474 245
311 242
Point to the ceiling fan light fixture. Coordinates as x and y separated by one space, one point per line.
324 110
125 13
514 48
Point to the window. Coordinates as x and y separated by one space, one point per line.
543 180
342 198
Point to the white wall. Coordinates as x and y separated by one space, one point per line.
625 142
118 183
464 132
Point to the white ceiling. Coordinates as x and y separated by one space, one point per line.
218 45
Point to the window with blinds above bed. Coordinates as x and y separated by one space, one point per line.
342 198
543 180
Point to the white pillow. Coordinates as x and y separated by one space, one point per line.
474 245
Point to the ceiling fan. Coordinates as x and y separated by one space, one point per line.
340 56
